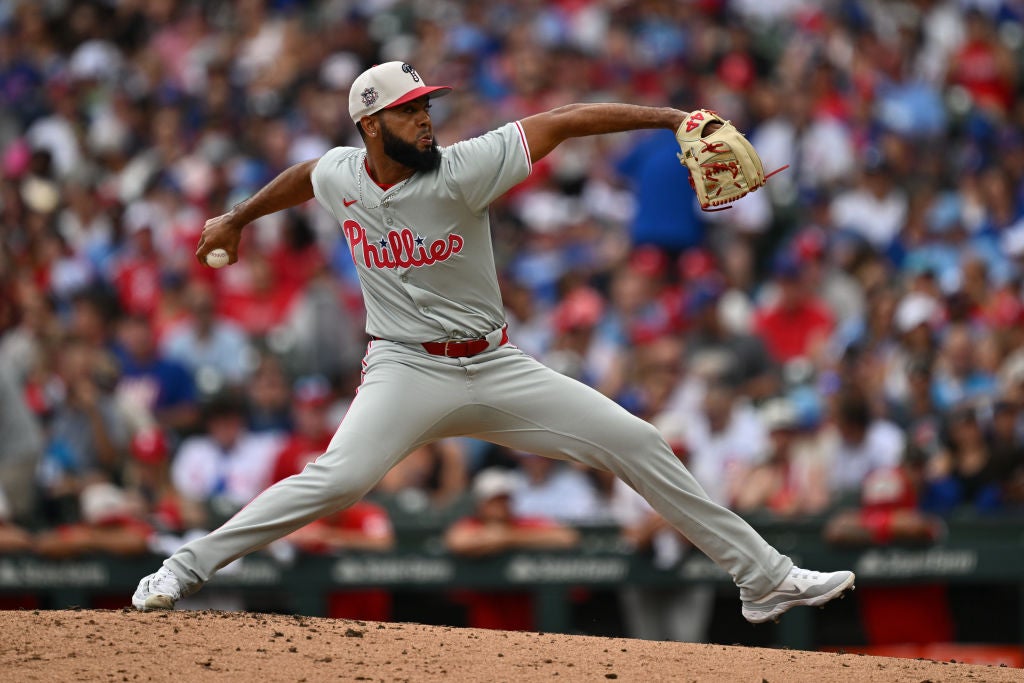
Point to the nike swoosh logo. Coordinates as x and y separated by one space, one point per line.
349 202
793 591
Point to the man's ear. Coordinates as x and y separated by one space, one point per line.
371 126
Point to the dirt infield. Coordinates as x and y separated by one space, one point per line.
96 645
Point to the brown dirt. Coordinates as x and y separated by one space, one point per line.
224 646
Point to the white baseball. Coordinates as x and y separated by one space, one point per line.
218 258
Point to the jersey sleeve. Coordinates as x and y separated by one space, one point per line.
326 173
484 168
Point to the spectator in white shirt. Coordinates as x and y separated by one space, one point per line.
859 443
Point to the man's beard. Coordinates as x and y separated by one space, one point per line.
407 154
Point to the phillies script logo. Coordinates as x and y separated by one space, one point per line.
399 248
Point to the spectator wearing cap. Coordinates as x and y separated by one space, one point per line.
225 466
792 480
148 478
494 529
162 387
312 430
215 350
796 324
579 349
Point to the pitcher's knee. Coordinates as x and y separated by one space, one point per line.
645 437
337 483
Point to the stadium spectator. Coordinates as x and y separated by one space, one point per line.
724 441
363 527
888 514
162 387
268 396
312 430
962 474
87 436
432 476
792 480
797 324
147 478
110 523
494 529
744 358
858 443
123 124
555 490
221 469
216 351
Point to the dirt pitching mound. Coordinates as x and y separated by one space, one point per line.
99 645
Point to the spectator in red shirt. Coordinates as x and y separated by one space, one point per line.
797 323
493 530
363 527
889 514
312 431
137 272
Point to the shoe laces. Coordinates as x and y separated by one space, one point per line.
165 583
804 574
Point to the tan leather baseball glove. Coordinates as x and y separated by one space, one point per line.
723 165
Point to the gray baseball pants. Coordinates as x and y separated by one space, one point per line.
408 398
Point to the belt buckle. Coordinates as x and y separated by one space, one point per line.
447 342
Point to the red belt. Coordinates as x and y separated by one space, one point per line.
461 348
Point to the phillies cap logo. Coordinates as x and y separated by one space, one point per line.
369 96
407 68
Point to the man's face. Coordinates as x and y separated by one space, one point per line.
408 135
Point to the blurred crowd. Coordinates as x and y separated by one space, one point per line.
859 320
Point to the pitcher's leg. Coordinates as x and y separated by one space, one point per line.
386 420
549 414
337 479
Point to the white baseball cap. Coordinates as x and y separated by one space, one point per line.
494 482
388 85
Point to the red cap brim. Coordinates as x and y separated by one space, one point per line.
432 90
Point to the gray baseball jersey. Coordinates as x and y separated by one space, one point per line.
423 252
423 247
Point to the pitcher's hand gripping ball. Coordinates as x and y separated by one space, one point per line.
723 165
218 258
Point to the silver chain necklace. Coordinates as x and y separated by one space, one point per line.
389 194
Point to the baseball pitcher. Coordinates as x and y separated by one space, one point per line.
440 364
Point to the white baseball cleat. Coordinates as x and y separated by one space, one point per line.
157 591
801 587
